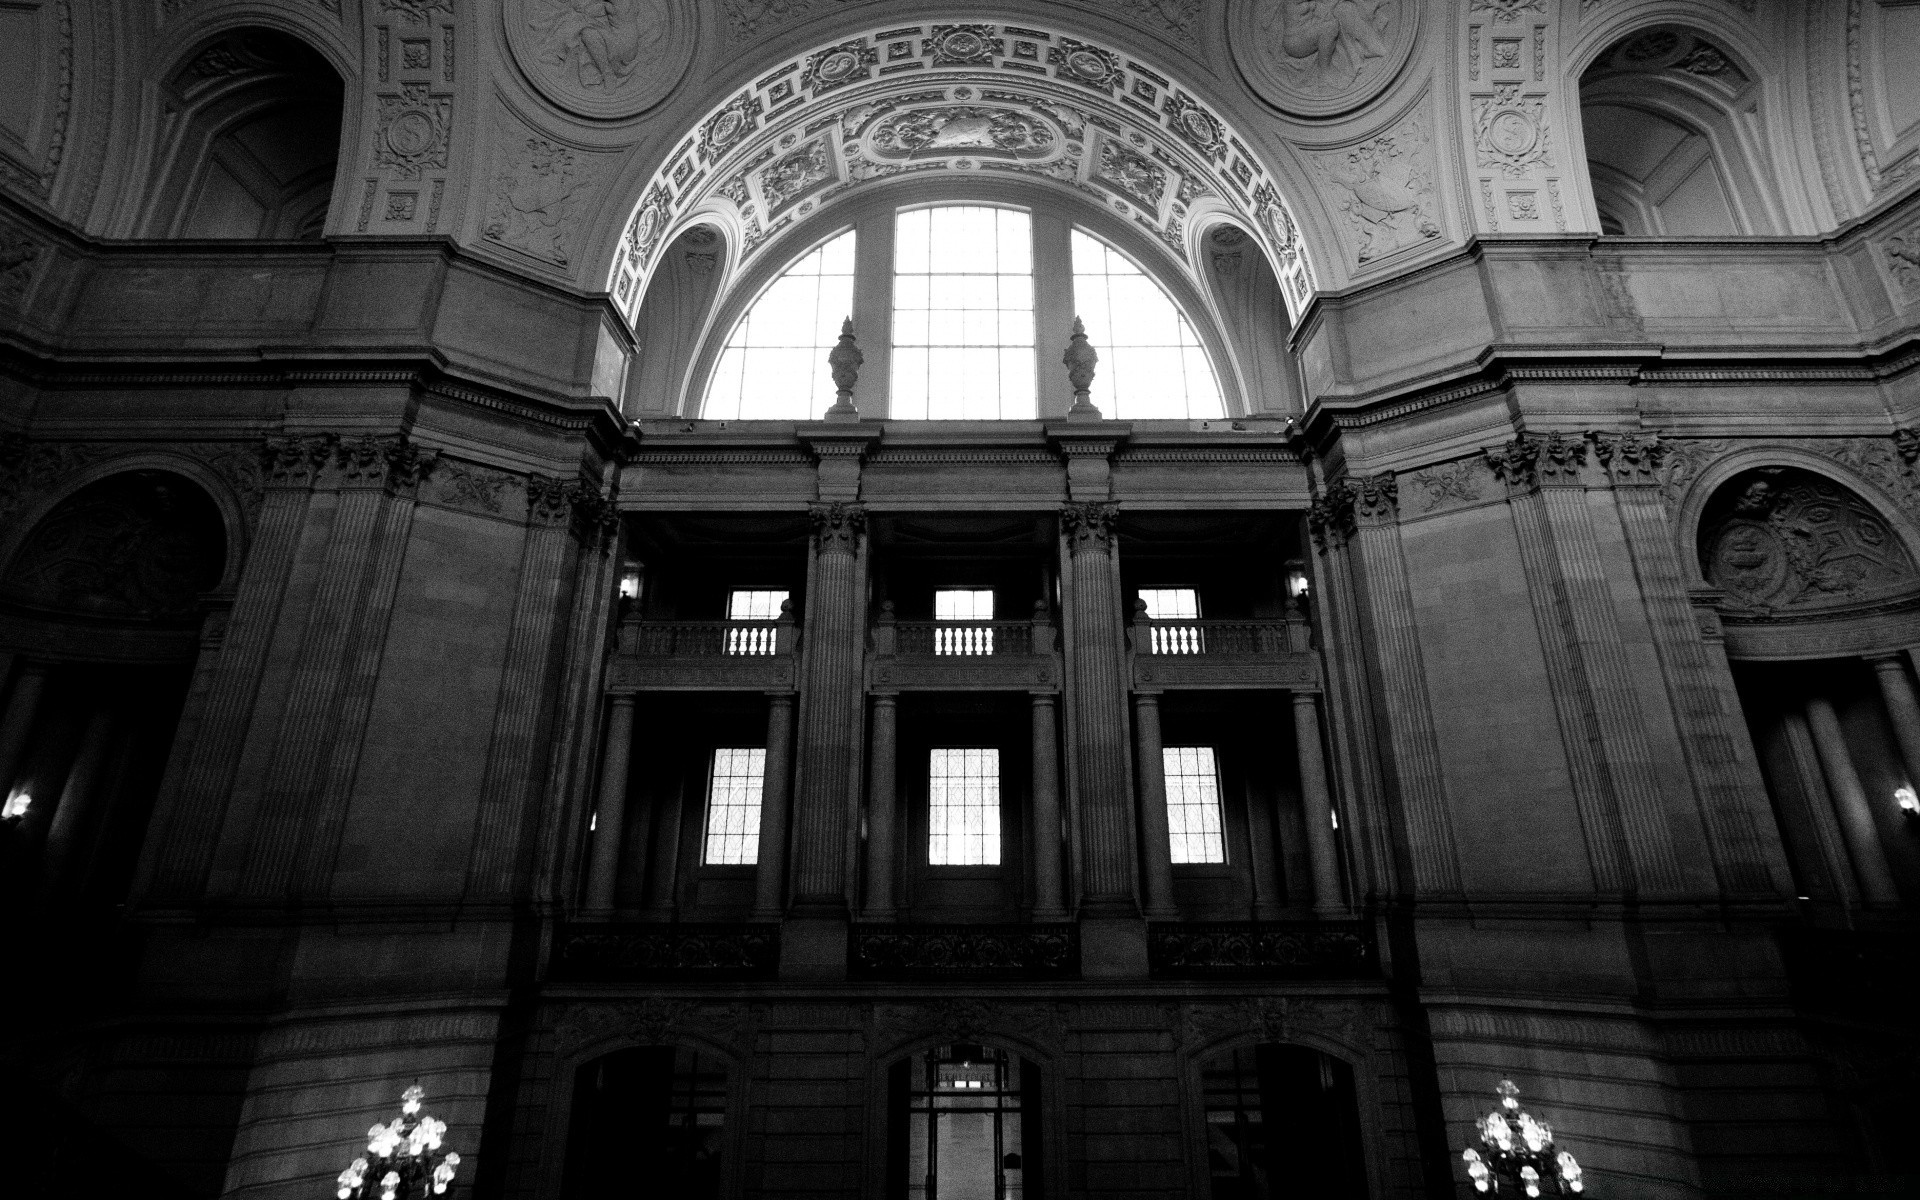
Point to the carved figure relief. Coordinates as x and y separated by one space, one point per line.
1899 254
1787 539
602 58
974 129
413 131
532 207
1318 58
1385 187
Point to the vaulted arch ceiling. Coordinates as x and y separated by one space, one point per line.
982 99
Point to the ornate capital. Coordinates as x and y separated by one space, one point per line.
1562 458
408 465
838 526
1629 458
1376 499
547 500
595 519
364 460
1516 463
1330 518
294 461
1089 527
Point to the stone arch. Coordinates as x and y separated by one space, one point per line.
674 318
1687 107
1071 113
1038 1117
577 1114
1347 1152
253 146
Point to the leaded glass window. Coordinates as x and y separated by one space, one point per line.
733 806
1194 825
774 366
963 807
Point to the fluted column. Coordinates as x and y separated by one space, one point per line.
1726 777
1158 851
770 869
610 813
23 704
1373 514
825 792
1902 708
78 796
1097 714
1049 903
1850 804
193 802
522 714
663 872
1316 805
882 802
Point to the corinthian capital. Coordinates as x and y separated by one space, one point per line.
1376 498
838 526
1089 527
1629 457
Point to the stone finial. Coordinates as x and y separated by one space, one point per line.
1080 359
844 362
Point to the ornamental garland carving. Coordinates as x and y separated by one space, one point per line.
608 59
532 209
1385 188
1510 130
412 131
1320 58
986 97
1791 540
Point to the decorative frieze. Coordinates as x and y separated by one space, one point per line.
612 953
1262 950
962 952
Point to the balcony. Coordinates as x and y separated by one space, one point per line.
961 656
742 656
1222 654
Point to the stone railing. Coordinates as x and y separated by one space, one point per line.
1219 638
956 638
708 639
618 952
1262 950
965 952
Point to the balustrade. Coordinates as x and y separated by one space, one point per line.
707 639
1219 638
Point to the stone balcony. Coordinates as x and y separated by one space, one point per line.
1223 654
707 656
963 656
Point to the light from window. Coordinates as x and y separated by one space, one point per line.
963 314
1193 805
1174 604
733 806
963 604
774 367
1151 361
754 604
963 808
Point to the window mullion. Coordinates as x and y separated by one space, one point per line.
1052 313
873 313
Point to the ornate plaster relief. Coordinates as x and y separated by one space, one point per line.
1313 59
601 59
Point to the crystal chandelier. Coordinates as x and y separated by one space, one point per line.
1518 1151
399 1163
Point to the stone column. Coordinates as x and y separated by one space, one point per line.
190 811
827 771
1316 808
1151 767
611 811
1372 512
1850 804
1269 898
1903 708
77 796
23 704
1049 902
882 802
770 869
663 872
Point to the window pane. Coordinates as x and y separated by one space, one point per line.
1193 805
1171 604
963 808
963 288
774 366
733 806
963 604
1151 361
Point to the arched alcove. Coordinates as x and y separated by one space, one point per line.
653 1113
668 327
101 607
1281 1120
252 149
1820 599
1253 311
964 1119
1675 145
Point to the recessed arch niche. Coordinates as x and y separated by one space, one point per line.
253 150
957 101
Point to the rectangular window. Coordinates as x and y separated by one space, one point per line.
754 604
1174 604
963 604
963 315
963 808
733 806
1194 826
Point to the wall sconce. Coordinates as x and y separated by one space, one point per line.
16 806
630 585
399 1163
1296 583
1519 1151
1908 801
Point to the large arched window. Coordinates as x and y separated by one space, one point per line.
967 308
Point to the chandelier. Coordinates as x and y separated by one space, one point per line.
399 1164
1518 1151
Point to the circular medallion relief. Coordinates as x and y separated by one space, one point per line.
1320 58
602 58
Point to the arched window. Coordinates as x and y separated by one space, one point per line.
774 366
961 312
